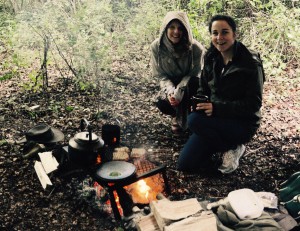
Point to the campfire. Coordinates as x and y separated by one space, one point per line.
124 184
142 193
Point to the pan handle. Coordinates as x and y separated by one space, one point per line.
84 123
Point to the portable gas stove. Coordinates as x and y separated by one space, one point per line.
114 175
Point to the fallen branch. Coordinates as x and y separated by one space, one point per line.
253 151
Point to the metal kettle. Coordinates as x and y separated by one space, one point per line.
85 147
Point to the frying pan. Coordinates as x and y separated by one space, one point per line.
114 171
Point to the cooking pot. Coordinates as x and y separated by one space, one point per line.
85 147
111 134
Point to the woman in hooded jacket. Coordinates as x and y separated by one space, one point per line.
232 78
176 60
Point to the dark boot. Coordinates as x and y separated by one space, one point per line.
176 129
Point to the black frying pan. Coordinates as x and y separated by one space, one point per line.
114 171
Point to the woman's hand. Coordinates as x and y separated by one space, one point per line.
173 101
206 107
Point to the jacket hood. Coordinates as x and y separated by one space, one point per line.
183 18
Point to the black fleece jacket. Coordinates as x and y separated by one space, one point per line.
236 89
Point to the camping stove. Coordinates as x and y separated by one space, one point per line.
144 169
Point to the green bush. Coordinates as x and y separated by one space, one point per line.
90 36
270 27
80 36
8 68
87 36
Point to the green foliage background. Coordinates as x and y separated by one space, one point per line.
92 35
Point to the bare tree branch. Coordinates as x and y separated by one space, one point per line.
64 58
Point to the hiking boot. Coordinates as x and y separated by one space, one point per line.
231 159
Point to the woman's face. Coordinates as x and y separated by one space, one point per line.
175 31
222 36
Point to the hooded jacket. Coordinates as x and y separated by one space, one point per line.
175 65
234 90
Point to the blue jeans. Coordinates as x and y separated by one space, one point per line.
210 135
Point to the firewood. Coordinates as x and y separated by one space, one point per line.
138 152
120 156
42 175
147 223
204 222
160 196
167 212
122 149
121 153
48 161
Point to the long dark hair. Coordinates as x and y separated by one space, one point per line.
220 17
212 51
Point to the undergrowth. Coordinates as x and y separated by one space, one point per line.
91 38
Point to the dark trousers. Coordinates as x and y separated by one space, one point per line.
211 135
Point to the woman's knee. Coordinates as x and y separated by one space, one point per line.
192 163
195 120
191 119
192 154
186 161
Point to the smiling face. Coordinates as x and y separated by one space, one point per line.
222 36
175 31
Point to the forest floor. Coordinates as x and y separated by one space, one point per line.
270 158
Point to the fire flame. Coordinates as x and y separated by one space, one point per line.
100 194
145 190
118 203
142 191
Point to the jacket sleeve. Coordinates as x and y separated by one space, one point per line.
165 83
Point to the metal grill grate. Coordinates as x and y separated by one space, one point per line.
143 166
